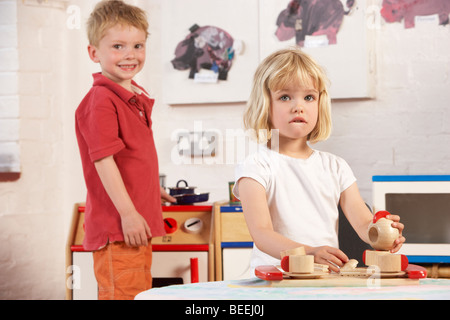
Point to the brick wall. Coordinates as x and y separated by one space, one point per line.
32 230
405 130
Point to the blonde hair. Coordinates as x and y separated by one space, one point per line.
275 72
109 13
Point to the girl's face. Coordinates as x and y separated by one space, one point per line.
295 110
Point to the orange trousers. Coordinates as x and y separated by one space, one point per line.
122 271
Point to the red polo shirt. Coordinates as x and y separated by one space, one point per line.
114 121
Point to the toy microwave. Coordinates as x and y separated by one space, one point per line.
423 204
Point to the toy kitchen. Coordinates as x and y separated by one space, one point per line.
184 255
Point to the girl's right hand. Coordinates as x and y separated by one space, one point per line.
330 256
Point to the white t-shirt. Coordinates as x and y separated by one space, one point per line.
302 195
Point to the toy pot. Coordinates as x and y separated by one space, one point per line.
381 234
178 190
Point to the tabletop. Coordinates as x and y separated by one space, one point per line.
257 289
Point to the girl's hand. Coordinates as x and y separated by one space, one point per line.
396 224
330 256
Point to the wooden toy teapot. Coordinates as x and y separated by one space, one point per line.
381 234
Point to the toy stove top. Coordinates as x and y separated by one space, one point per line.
186 225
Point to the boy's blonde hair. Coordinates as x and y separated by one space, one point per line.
274 73
109 13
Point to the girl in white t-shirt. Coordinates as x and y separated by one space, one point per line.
290 192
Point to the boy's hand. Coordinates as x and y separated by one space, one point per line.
330 256
167 197
135 230
396 224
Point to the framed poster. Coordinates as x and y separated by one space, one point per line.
337 36
210 50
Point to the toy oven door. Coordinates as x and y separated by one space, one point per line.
179 267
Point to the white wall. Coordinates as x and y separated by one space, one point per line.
404 130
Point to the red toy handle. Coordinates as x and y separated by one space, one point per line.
416 272
285 263
380 214
194 270
268 273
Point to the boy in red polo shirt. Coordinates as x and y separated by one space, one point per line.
120 164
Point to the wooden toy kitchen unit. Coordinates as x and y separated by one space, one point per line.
184 255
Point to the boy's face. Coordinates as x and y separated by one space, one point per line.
121 53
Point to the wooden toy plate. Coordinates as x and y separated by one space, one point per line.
294 275
277 278
366 273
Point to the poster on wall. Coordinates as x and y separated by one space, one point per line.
210 50
416 11
335 32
